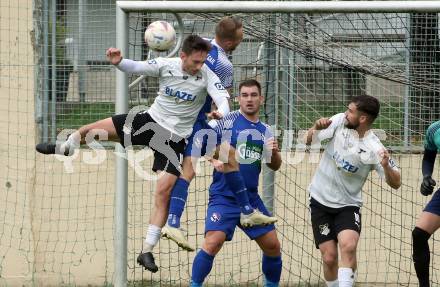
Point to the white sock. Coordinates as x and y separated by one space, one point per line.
345 277
334 283
152 237
73 141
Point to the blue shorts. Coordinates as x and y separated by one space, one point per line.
433 205
202 140
222 216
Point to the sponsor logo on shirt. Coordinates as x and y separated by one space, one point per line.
152 62
219 86
179 95
249 153
344 164
210 59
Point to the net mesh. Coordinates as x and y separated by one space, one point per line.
58 215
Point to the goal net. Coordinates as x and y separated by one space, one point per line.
58 216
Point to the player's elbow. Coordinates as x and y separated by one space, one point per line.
395 182
274 165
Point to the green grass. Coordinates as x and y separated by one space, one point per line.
74 115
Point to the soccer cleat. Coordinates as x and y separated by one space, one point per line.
147 260
256 218
50 148
176 235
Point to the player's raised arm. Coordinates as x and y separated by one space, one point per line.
392 174
218 94
149 68
320 124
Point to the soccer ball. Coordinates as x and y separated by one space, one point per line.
160 36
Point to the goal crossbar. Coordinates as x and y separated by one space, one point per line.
281 7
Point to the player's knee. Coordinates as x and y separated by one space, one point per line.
212 247
419 237
272 248
348 245
188 174
330 258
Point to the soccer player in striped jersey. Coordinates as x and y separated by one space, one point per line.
184 84
255 144
228 35
429 220
335 191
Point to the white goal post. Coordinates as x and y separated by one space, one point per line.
123 8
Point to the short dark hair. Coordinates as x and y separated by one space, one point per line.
367 104
250 83
227 28
194 43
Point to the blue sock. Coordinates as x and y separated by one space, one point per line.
179 194
235 182
202 265
272 270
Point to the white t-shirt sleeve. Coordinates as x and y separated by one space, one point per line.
337 121
217 92
214 86
149 68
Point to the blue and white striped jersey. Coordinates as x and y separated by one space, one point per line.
218 62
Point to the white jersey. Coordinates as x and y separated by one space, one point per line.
345 164
181 95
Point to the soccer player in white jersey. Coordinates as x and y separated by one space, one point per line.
255 144
429 220
228 35
184 84
352 152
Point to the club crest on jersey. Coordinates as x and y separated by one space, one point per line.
219 86
180 96
152 62
215 217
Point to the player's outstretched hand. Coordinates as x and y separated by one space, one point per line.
218 165
272 145
427 186
322 123
113 55
216 115
384 156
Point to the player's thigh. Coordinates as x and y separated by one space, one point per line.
348 218
322 223
165 182
213 241
134 129
168 159
429 222
220 217
257 231
188 167
348 240
329 252
269 243
105 125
